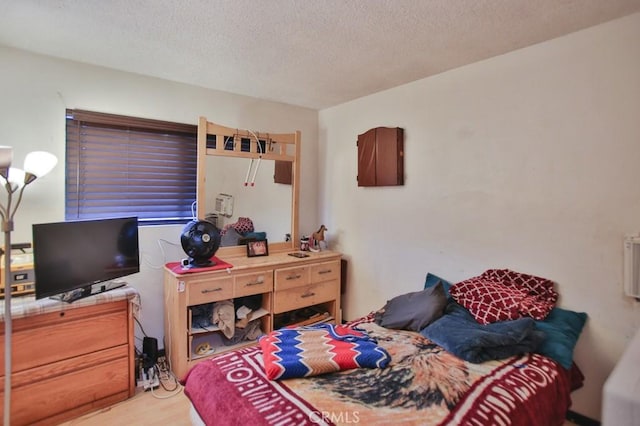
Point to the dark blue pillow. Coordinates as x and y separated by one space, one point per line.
256 235
562 328
432 280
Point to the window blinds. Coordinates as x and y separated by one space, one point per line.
120 166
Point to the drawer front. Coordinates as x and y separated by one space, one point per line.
300 297
48 344
209 290
325 271
291 277
57 394
249 284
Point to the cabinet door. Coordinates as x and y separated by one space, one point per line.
389 156
283 172
381 157
367 158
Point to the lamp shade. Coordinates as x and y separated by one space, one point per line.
16 178
6 156
39 163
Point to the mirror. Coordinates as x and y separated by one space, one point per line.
266 203
227 158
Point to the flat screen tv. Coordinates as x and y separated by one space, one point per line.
76 259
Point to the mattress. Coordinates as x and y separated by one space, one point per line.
621 394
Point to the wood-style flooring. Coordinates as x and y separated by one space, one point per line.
143 409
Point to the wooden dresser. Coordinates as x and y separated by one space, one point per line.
70 358
292 289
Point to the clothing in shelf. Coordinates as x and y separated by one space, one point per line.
224 317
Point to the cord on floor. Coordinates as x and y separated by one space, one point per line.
167 379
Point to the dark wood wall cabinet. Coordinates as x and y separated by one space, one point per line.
381 157
283 172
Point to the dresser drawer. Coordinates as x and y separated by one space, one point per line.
47 341
325 272
301 297
249 284
291 277
56 394
209 290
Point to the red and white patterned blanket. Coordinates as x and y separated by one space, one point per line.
423 384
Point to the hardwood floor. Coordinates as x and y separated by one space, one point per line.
143 409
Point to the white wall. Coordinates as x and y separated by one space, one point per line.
527 161
34 93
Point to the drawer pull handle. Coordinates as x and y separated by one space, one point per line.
257 282
326 271
206 290
293 277
308 294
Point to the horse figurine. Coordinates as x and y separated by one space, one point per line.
316 238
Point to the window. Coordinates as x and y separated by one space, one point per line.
124 166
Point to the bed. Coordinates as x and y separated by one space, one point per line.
420 382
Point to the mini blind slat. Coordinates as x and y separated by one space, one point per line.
119 165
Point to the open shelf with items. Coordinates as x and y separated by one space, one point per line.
196 328
207 338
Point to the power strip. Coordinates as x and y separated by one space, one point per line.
148 379
152 384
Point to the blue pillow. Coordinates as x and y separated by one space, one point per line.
562 328
433 280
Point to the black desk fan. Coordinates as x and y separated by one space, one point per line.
200 240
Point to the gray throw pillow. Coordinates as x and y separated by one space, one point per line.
413 311
230 238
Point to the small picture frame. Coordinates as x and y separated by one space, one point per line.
257 248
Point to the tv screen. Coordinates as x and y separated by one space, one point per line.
77 255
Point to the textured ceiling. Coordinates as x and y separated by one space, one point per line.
314 54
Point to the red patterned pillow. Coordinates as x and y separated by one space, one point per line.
502 294
487 301
541 297
243 226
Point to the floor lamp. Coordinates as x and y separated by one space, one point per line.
36 164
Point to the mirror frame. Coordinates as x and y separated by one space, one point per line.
279 146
